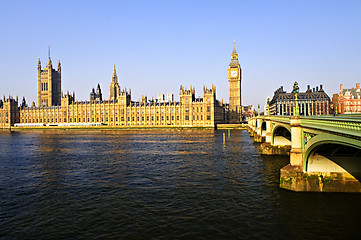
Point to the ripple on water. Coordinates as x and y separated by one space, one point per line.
156 184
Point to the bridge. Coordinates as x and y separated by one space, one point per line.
325 151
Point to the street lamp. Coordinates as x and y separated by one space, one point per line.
295 91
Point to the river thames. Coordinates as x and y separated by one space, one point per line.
157 184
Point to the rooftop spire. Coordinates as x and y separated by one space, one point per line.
234 47
49 61
234 58
114 72
114 77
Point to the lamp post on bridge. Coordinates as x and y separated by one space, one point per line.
268 111
295 91
296 133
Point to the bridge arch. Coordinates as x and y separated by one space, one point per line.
334 156
281 135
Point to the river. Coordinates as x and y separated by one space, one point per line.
157 184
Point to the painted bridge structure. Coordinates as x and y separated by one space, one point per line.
325 151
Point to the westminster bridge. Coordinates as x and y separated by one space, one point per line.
325 151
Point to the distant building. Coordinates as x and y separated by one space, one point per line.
234 81
96 95
248 111
312 102
61 109
49 85
349 100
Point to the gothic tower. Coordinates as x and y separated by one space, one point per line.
49 84
114 87
234 80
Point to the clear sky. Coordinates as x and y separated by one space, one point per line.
157 46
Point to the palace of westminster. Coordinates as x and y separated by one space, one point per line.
58 109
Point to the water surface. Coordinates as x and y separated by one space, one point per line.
157 184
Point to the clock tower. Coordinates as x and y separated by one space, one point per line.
234 80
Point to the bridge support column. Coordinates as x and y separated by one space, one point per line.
258 134
292 175
268 130
296 156
251 127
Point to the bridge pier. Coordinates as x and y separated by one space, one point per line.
258 134
268 130
251 127
292 175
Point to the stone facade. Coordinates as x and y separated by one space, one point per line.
58 109
9 112
234 80
188 112
49 84
312 102
349 100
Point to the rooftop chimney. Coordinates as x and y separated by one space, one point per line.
321 87
316 89
357 86
341 87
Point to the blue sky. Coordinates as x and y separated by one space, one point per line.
159 45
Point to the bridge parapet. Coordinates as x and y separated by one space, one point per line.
343 125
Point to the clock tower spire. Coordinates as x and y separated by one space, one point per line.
234 81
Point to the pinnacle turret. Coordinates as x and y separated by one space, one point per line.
234 58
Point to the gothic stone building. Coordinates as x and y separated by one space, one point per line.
58 109
312 102
234 80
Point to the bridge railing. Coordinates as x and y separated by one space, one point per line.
342 124
350 125
283 119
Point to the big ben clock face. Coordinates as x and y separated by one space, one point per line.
234 73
